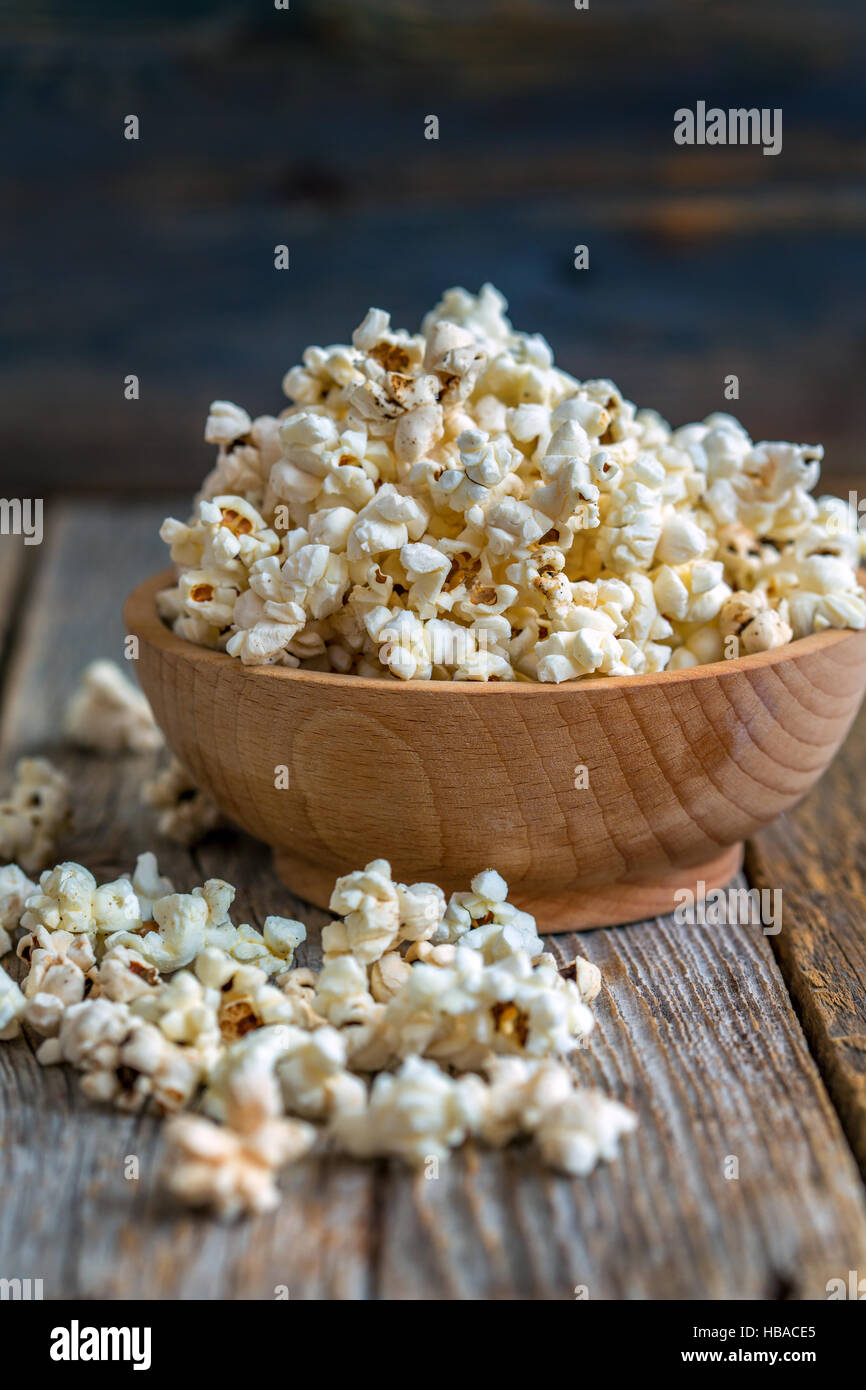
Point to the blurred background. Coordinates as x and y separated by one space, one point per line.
305 126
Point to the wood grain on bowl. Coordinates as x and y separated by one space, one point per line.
446 778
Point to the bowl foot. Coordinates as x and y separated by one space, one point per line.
614 904
604 905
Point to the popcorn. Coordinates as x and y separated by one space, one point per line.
417 1114
681 539
419 430
344 997
417 485
124 975
433 955
521 1092
247 1001
12 1006
461 1012
271 950
487 904
106 712
226 423
342 992
148 884
458 1010
421 908
63 902
693 592
15 888
141 925
217 896
585 1127
388 975
314 1078
124 1060
225 538
757 627
246 1061
369 903
243 463
186 813
586 975
742 554
299 987
282 936
34 813
116 907
185 1011
232 1167
812 583
572 1128
62 972
174 937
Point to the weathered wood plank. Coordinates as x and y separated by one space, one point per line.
695 1030
816 856
13 559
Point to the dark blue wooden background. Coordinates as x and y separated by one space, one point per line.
306 127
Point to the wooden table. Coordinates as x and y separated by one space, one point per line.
730 1045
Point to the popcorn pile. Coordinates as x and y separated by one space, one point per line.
451 505
454 1008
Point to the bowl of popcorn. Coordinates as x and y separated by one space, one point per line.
455 607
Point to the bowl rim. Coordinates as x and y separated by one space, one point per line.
142 620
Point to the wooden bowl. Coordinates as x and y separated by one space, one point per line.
446 778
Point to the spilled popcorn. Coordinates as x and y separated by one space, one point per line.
430 1022
185 814
34 812
450 505
108 713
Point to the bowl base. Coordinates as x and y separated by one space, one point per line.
605 905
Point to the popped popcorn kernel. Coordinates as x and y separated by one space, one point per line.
186 813
62 972
585 1127
370 906
34 813
572 1127
15 889
125 1061
106 712
12 1006
232 1167
417 1113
